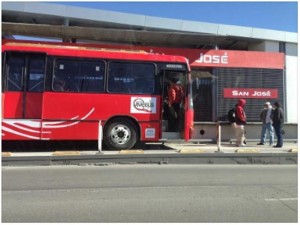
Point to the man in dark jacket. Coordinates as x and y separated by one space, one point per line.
278 121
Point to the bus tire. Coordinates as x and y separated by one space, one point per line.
120 134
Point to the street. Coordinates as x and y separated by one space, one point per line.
150 193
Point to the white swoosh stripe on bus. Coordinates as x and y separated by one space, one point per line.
53 124
18 133
37 125
13 123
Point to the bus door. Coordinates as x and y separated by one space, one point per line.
24 85
173 118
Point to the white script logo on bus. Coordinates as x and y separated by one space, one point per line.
216 59
143 105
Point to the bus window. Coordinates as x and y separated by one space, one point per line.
36 74
24 74
134 78
3 71
92 77
78 76
15 71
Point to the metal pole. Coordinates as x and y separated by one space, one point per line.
100 136
66 24
219 136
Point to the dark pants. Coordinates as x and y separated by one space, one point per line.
278 132
173 123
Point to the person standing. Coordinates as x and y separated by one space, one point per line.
240 122
278 121
265 117
175 96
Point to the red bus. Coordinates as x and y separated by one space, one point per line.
52 91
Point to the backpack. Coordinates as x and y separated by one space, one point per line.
231 115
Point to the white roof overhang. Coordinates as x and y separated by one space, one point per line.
68 22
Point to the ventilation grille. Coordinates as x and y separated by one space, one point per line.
202 99
246 78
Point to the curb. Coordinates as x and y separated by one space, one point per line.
62 153
247 151
192 151
293 150
162 158
6 154
131 152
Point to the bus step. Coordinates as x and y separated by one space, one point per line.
171 135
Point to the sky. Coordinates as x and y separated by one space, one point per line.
273 15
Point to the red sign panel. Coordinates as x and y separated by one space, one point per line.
215 58
226 58
243 59
265 93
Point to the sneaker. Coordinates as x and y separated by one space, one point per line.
260 143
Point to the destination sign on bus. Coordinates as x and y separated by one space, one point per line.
174 66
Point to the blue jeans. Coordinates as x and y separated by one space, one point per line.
267 127
278 129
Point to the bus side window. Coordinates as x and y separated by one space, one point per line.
144 86
116 78
65 69
15 64
3 71
78 76
133 78
92 76
36 74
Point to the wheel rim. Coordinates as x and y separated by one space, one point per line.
120 134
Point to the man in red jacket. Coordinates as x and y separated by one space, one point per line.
240 122
175 96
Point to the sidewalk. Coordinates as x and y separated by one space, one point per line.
178 153
226 147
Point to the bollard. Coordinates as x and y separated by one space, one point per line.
100 136
219 136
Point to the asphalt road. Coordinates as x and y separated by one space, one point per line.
150 193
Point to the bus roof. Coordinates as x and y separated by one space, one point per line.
81 50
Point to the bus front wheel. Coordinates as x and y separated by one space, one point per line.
120 134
